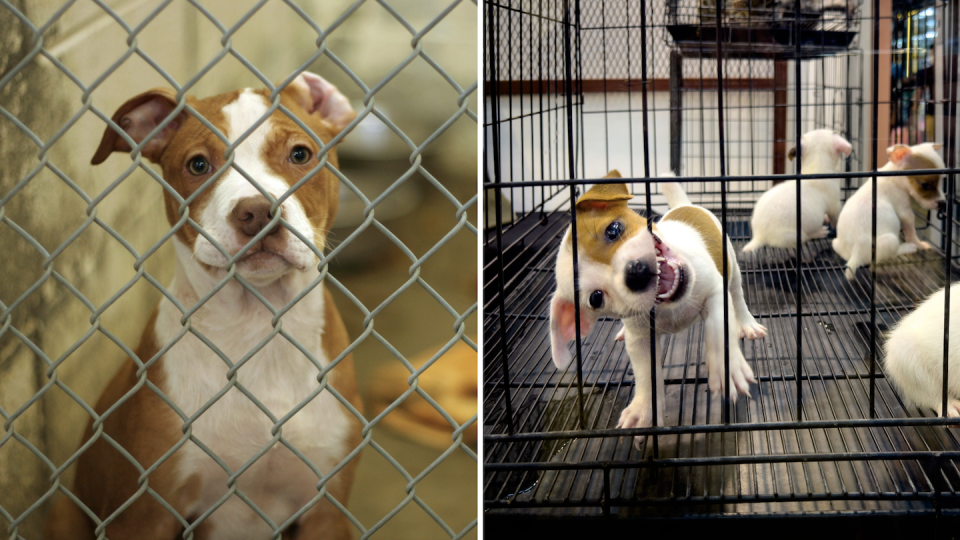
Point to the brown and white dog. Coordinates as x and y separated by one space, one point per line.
282 375
624 271
854 236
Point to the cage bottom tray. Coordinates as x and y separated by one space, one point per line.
795 472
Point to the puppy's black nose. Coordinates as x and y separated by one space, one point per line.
941 206
638 275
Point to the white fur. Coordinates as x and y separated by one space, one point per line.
703 299
279 375
854 236
241 115
914 354
774 221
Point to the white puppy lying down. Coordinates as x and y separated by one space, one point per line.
853 241
914 354
774 221
624 271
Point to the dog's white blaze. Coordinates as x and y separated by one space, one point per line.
241 114
279 375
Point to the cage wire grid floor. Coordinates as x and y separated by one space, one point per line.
835 371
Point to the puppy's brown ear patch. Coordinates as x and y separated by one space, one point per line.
899 154
138 117
792 154
603 196
613 174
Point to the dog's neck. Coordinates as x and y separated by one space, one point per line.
818 163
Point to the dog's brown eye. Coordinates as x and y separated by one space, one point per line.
614 230
198 166
300 155
926 186
596 299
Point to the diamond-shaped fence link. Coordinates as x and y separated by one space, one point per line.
39 283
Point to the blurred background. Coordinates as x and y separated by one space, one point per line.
43 319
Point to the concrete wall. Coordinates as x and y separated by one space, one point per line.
182 41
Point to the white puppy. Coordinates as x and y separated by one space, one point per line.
774 220
914 354
624 271
853 241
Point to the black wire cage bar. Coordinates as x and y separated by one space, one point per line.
574 88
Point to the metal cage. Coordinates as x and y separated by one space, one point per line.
576 88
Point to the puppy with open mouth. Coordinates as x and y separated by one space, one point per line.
624 270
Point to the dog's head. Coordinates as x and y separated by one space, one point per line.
623 270
276 153
821 149
925 189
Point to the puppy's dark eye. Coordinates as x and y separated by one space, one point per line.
927 186
614 230
596 299
300 155
198 166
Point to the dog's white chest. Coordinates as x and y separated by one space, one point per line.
278 381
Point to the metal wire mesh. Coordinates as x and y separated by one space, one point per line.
33 35
825 433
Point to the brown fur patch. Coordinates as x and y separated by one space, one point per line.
600 206
702 221
918 162
320 195
146 427
194 139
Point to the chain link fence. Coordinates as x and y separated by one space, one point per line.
86 254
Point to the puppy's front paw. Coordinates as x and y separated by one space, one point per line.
923 245
740 374
820 233
753 330
953 409
636 416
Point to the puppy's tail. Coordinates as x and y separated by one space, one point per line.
674 192
752 245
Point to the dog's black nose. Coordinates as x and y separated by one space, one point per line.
941 206
638 275
251 215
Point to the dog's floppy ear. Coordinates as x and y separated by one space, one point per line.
898 154
842 146
937 146
563 328
603 196
138 117
319 97
792 154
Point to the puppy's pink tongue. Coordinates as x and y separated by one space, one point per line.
667 277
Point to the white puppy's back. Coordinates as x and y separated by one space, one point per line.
914 354
774 220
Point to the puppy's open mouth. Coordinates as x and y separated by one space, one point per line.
670 280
